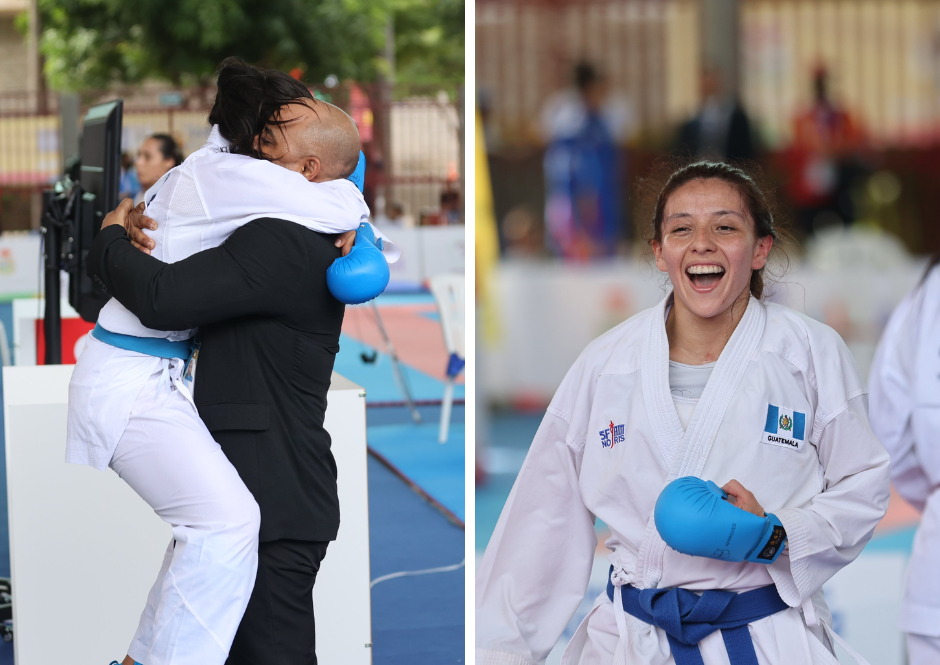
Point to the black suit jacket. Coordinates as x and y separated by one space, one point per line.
270 332
738 143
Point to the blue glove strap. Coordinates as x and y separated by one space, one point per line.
365 233
771 543
358 176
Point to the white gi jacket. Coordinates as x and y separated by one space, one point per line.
905 414
829 491
197 206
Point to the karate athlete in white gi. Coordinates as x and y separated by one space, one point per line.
135 412
689 388
905 414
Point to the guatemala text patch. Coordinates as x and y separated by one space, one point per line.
784 427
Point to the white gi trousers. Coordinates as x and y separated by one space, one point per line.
168 457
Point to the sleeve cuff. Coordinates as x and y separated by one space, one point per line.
390 250
488 657
789 572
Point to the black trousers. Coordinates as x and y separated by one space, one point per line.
278 626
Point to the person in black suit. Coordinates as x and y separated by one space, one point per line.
269 331
721 130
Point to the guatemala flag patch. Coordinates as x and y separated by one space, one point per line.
784 427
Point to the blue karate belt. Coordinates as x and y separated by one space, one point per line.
149 346
689 618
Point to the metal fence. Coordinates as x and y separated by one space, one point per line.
647 50
883 57
425 164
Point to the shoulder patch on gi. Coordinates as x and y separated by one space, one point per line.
611 435
784 427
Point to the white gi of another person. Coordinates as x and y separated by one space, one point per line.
713 383
905 413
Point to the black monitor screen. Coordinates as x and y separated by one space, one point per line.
101 157
100 181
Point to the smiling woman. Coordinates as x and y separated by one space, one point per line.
713 231
718 388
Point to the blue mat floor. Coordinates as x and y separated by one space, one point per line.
415 620
413 449
509 436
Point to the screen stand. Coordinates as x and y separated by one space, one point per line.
52 227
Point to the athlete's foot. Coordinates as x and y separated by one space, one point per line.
128 661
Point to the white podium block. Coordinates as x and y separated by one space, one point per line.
85 549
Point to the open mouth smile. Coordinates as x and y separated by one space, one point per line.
705 278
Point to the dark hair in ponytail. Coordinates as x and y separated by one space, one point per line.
169 148
247 99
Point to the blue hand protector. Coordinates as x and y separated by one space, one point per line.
362 274
694 517
358 177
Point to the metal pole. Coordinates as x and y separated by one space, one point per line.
396 366
69 106
387 88
463 147
52 320
720 43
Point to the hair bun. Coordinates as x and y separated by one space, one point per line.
247 98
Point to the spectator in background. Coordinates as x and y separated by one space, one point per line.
393 215
721 130
157 155
584 172
824 160
130 185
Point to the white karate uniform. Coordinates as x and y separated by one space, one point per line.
610 441
133 412
905 414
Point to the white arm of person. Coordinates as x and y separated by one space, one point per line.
830 531
537 565
895 407
241 188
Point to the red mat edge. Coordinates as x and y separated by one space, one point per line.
451 517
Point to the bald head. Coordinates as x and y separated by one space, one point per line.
314 138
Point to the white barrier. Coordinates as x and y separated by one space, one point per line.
426 251
548 312
85 548
20 273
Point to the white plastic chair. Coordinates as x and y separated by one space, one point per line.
4 346
448 291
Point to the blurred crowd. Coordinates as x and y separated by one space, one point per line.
827 176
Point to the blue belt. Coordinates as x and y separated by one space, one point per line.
149 346
688 618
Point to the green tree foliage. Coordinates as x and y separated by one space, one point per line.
93 43
429 42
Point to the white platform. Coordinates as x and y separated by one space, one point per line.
85 548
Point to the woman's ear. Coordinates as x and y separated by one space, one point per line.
761 252
658 253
